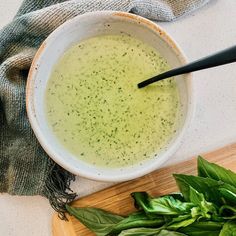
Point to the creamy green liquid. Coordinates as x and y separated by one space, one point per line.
97 112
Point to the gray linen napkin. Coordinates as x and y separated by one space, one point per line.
25 169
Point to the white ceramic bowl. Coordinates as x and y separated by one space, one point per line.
72 32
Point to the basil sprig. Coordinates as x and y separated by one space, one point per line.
206 205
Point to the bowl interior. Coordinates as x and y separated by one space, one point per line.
57 43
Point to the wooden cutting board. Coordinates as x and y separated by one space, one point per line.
117 198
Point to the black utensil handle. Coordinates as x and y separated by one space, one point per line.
223 57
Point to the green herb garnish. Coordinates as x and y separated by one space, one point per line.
205 206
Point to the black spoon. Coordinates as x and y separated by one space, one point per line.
220 58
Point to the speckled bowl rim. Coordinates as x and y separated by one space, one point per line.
168 153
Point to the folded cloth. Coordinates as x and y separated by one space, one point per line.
25 169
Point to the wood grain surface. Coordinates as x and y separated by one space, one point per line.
117 198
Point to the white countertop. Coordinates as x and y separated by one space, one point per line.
203 32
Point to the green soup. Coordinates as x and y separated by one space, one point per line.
97 112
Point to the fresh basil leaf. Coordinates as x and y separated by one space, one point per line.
140 232
180 224
205 209
216 172
165 205
170 233
208 210
149 232
196 212
195 197
228 195
99 221
178 196
138 219
229 229
179 218
207 228
208 187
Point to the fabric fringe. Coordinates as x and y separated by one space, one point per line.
57 189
